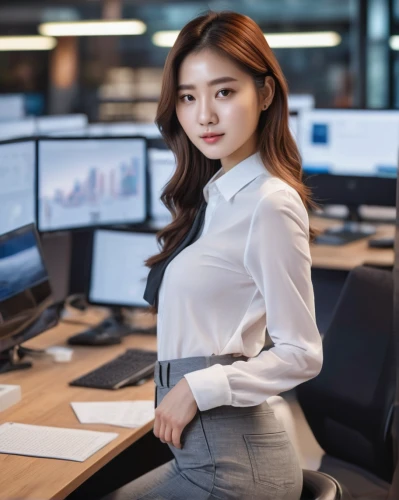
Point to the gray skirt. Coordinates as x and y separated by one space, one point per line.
227 452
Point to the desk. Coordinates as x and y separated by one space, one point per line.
45 401
346 257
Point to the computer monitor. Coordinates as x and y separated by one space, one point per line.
25 292
354 154
293 125
17 184
17 129
162 165
59 123
148 130
81 132
85 182
122 129
300 102
12 106
118 274
350 156
97 129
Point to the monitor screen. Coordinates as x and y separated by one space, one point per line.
17 184
149 130
162 165
118 274
349 142
97 129
299 102
293 125
12 106
81 132
59 123
91 182
24 284
21 265
17 129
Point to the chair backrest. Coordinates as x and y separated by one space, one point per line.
320 486
349 404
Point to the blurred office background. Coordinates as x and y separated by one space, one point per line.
343 52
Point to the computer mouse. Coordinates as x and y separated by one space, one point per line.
95 338
381 243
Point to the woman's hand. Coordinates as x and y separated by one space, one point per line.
176 410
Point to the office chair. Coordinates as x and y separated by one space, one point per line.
349 404
320 486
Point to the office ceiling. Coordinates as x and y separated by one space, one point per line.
176 13
18 17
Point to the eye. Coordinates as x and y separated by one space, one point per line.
225 92
186 98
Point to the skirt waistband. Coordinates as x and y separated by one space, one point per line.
168 373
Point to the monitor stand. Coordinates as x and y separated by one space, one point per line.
115 323
10 360
351 230
109 331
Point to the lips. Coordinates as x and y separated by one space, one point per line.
211 138
206 136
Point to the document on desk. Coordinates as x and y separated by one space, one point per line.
122 413
51 442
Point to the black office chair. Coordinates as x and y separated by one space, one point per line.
349 404
320 486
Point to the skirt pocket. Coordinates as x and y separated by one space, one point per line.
272 459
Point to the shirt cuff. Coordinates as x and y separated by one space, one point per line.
210 387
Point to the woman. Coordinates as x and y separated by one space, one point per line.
223 112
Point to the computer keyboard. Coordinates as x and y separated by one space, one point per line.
337 238
127 369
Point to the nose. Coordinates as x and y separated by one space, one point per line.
206 113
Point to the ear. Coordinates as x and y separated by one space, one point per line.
267 92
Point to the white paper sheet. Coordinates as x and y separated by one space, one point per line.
122 413
51 442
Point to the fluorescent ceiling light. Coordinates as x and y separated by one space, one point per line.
275 40
303 40
165 38
394 42
93 28
35 42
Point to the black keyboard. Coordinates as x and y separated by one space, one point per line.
338 237
127 369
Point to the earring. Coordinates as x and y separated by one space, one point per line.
264 107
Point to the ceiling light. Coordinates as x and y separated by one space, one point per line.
35 42
93 28
165 38
275 40
394 42
303 40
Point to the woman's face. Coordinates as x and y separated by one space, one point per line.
215 96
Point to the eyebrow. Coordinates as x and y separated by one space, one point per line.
217 81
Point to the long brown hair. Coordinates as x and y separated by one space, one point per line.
239 38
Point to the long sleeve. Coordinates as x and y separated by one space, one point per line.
277 257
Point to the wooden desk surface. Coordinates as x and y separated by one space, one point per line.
45 401
346 257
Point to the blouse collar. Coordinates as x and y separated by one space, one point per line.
235 179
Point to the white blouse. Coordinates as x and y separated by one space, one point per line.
249 269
